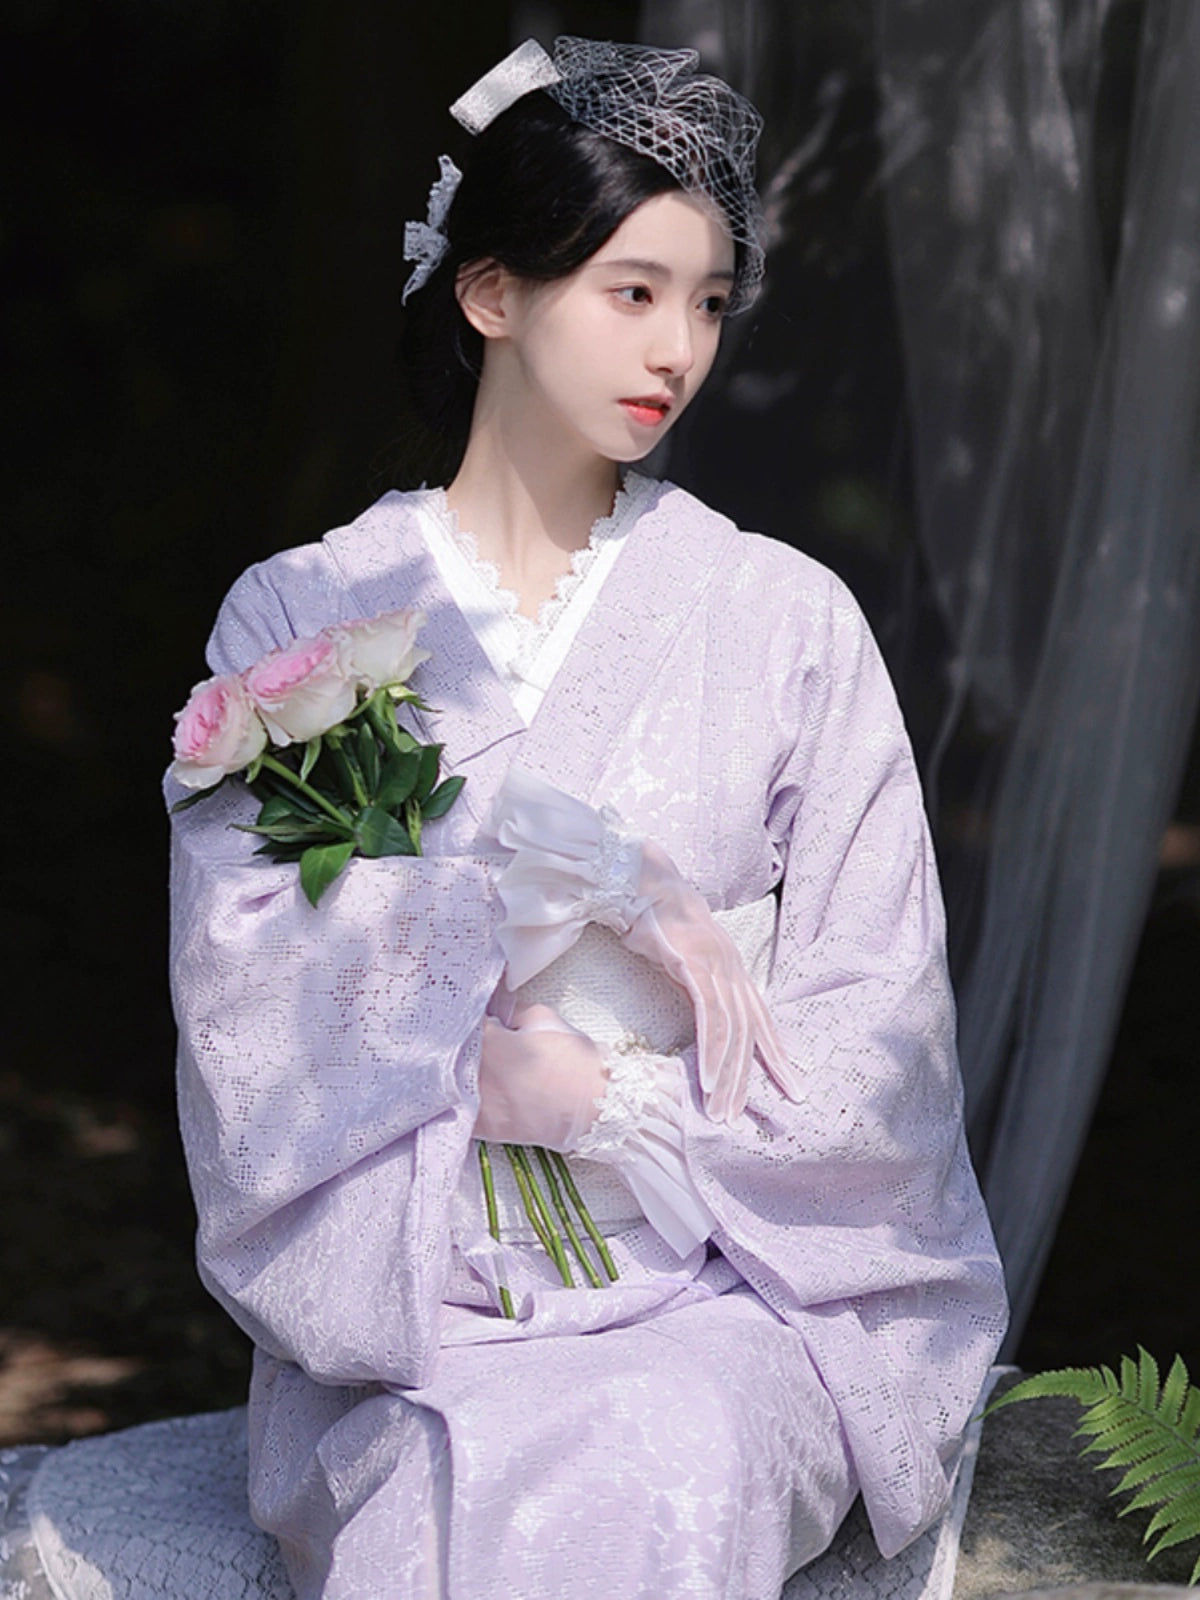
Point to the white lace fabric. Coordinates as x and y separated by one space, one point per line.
526 652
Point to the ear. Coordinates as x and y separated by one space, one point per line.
484 290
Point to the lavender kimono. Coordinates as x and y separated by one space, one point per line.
700 1427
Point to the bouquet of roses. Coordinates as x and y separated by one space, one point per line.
312 730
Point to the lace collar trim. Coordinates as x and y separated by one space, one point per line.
533 631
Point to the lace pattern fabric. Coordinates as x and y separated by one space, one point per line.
526 652
328 1066
632 1093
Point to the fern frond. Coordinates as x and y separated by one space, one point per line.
1135 1421
1140 1454
1174 1394
1084 1384
1179 1480
1164 1463
1189 1421
1181 1513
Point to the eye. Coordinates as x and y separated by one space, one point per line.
634 294
714 305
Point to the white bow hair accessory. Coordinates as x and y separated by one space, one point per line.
528 67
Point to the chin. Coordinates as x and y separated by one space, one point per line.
631 452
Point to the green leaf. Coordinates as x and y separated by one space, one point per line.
252 771
368 757
1155 1437
311 751
320 865
398 779
288 830
379 834
194 798
274 808
1163 1463
1173 1482
281 852
1189 1421
442 798
1174 1393
427 771
1180 1511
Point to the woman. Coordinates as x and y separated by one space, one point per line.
807 1296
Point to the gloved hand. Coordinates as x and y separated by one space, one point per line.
570 865
673 927
539 1080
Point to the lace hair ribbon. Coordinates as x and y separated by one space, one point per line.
425 243
527 68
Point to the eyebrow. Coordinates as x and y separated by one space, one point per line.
655 269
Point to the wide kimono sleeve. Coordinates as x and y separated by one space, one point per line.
328 1061
855 1213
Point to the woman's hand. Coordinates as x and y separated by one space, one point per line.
677 932
539 1080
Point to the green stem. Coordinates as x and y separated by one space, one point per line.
564 1216
531 1212
493 1219
281 771
585 1216
538 1212
348 767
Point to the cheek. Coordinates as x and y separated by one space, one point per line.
705 350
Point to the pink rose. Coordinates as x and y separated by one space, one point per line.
302 690
216 733
381 650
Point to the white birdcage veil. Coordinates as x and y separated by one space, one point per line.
658 103
653 101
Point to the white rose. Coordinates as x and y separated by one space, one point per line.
381 650
303 689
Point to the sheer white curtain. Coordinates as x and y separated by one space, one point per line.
1037 581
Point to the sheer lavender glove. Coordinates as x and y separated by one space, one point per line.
673 927
540 1080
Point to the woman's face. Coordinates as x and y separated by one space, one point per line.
606 360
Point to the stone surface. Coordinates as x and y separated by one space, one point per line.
1110 1591
1040 1518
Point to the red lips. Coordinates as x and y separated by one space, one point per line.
649 410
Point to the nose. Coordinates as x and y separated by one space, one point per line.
672 351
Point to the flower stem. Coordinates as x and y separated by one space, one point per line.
493 1218
564 1216
281 771
348 767
538 1212
585 1216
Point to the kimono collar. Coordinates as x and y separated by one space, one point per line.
668 562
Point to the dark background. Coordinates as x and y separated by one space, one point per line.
200 241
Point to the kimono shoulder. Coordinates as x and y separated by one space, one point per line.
297 591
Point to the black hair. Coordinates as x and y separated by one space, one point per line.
540 194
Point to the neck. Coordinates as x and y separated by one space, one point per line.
528 498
